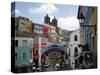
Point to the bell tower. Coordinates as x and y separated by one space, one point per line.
54 22
47 19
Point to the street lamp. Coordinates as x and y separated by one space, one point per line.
81 18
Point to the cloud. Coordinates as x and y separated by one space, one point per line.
43 8
15 12
69 23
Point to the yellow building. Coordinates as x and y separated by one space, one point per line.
52 29
60 31
28 26
93 30
24 25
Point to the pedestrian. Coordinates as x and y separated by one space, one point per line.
43 59
81 58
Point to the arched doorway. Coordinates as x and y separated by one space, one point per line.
76 51
55 55
76 60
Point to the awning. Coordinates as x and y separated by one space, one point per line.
52 48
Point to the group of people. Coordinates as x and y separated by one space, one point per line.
85 61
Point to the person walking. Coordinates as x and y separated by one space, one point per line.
81 58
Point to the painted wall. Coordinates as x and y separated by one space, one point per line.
20 60
29 41
87 15
23 47
90 14
25 24
93 31
38 28
28 26
72 45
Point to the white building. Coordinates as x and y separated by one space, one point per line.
74 49
25 41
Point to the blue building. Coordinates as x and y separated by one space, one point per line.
23 53
89 29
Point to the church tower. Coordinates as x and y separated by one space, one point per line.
47 19
54 22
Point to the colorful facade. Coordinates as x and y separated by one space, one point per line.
22 55
89 31
38 29
23 44
24 24
74 50
23 50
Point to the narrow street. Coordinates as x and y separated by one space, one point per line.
52 40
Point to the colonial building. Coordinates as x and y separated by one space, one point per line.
50 32
60 35
24 24
37 29
51 23
23 53
63 37
39 43
23 44
89 31
74 49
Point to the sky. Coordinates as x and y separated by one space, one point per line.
65 14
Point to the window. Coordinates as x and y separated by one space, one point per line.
30 54
75 38
21 25
24 55
24 42
16 43
15 56
30 44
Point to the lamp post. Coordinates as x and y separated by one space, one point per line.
81 18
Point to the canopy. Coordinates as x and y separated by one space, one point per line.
52 48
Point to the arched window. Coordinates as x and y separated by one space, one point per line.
76 52
75 38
